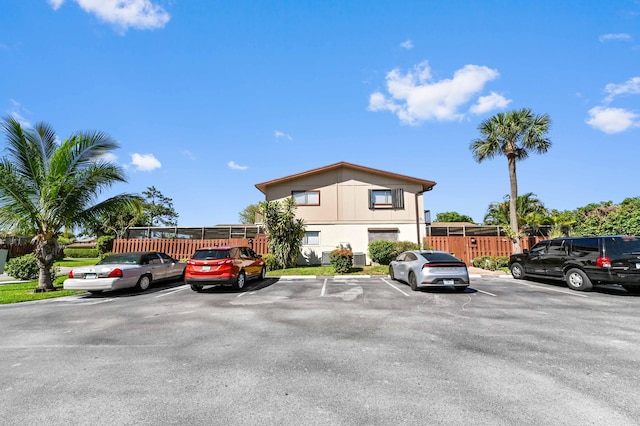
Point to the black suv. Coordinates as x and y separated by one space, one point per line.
583 261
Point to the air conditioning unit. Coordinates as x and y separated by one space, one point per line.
325 258
359 259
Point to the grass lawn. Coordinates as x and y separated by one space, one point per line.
328 271
71 263
23 292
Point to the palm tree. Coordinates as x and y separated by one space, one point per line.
512 134
530 211
47 187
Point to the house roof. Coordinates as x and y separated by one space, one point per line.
427 185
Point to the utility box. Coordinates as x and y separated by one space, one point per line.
4 253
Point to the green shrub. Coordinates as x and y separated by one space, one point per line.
382 251
491 263
270 261
109 253
23 267
104 244
81 253
341 260
402 246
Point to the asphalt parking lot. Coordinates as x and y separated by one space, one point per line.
324 351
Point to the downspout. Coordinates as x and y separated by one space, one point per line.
418 214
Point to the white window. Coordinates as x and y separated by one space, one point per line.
306 198
386 198
311 238
381 197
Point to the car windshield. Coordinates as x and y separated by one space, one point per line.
620 246
211 254
124 258
438 257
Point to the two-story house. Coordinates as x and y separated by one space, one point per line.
345 204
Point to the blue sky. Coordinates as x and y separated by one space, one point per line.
208 98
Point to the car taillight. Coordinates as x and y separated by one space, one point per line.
603 262
71 274
445 265
116 273
190 262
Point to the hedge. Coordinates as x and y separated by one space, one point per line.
81 253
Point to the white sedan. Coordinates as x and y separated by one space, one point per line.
125 270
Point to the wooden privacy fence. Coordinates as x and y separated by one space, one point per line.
184 248
468 248
17 250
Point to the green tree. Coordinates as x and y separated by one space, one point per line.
284 231
606 218
248 215
47 187
115 223
530 212
513 134
560 222
453 217
157 209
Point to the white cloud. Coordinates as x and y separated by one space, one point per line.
407 44
613 37
416 97
145 162
612 120
55 3
489 103
139 14
17 111
188 154
232 165
280 134
629 87
108 157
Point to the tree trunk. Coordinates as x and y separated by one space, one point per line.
513 203
46 252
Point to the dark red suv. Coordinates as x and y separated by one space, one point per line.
223 266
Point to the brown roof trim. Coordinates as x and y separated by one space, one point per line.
426 184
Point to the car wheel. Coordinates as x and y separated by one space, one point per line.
460 289
263 273
143 283
516 271
632 289
240 281
196 287
577 280
413 282
393 277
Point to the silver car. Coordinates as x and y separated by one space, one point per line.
125 270
428 268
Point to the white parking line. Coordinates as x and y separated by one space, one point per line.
569 292
393 286
177 289
485 292
324 288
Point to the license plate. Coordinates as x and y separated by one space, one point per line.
448 282
90 276
206 268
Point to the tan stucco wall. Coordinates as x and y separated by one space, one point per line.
355 235
344 198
